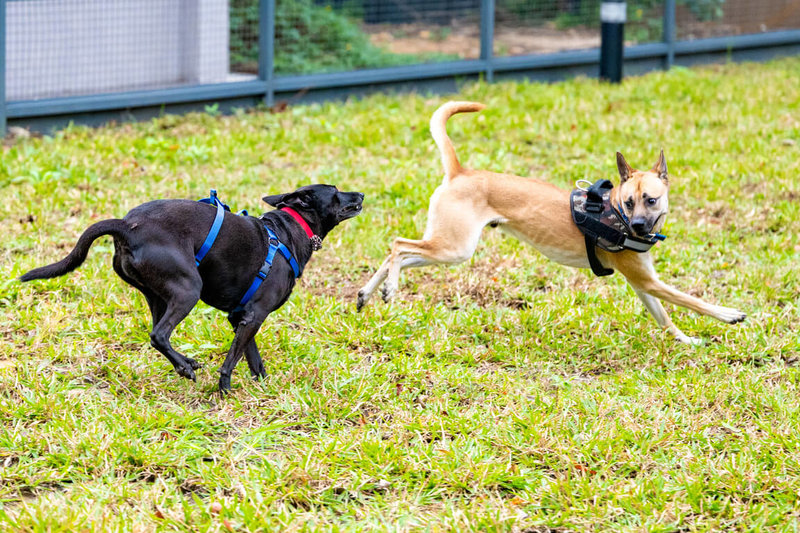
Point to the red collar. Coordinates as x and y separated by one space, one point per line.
300 220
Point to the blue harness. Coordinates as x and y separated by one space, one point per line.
275 245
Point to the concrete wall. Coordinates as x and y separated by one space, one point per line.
58 48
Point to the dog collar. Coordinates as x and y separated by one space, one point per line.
621 214
316 241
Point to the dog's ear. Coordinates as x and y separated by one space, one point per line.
660 167
276 200
625 169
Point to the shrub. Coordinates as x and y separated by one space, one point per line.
308 38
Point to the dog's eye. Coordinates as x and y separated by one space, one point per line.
652 201
629 204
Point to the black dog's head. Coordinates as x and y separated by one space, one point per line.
322 206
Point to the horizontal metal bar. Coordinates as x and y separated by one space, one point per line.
738 42
647 50
380 75
100 102
558 59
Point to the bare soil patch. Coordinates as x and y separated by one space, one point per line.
463 39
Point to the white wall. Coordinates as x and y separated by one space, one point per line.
71 47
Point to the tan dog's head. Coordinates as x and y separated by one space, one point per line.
642 195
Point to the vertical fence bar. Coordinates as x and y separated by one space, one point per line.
613 14
669 32
266 48
2 68
487 37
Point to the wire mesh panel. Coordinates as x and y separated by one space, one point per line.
314 36
698 19
244 32
545 26
59 48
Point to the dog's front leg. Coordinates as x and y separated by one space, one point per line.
252 356
653 305
638 269
247 325
672 295
245 333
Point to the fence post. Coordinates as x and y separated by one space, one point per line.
266 48
2 68
487 37
669 32
612 39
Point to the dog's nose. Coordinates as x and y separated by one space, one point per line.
638 225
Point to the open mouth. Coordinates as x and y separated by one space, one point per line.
350 211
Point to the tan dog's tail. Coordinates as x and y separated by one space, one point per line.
438 121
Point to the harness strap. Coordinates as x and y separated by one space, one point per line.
617 238
591 254
594 195
274 246
215 227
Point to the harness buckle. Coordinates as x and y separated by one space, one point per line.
593 207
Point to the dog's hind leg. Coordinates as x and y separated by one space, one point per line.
377 278
405 254
183 295
451 237
157 309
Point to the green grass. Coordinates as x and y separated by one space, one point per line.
506 394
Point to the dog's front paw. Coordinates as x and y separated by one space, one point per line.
387 293
259 373
186 370
224 384
362 300
194 364
686 339
729 315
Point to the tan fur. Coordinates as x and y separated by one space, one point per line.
537 213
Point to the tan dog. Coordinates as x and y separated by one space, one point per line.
539 214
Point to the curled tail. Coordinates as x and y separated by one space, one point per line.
438 121
77 256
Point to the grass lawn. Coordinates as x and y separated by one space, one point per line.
509 393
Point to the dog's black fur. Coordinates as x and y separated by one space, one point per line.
155 245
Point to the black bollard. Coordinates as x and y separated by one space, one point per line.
612 38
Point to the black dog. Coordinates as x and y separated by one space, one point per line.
155 246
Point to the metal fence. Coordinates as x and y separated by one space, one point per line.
63 59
